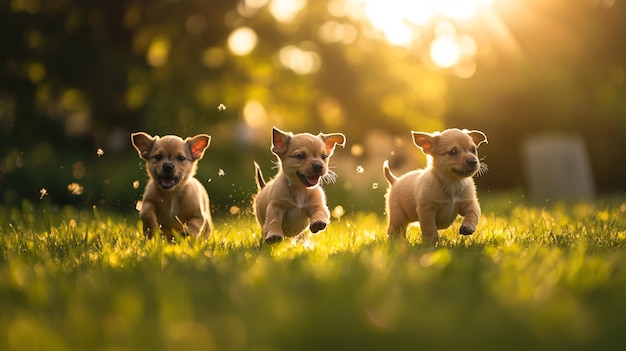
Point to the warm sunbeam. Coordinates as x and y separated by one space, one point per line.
404 23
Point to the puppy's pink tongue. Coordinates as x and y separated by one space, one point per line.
313 180
168 181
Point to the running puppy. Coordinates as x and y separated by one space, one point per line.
434 196
173 199
294 199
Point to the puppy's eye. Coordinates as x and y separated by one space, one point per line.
474 150
158 157
300 156
181 158
324 156
453 152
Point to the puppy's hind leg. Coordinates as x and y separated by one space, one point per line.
397 226
428 225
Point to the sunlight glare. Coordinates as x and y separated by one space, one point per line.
467 45
465 68
254 114
285 11
445 52
387 15
405 22
300 61
461 10
393 18
242 41
333 32
256 4
399 34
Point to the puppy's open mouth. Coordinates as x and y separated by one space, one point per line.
168 181
309 181
464 173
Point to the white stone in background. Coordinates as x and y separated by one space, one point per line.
557 168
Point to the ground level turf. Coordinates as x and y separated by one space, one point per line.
530 278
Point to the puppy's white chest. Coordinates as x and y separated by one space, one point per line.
173 209
455 199
300 199
168 212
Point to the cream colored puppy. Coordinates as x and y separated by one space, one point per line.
294 199
173 199
434 196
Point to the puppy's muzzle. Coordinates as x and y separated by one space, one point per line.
317 167
472 167
316 173
168 179
168 168
472 163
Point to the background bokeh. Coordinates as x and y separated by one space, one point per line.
77 77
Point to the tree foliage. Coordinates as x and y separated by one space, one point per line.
79 76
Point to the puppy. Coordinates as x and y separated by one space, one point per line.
435 195
173 198
294 199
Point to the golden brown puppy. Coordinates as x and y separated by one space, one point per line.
294 199
434 196
173 199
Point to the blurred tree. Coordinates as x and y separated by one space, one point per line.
79 76
563 71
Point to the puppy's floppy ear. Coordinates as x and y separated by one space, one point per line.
477 136
424 141
143 143
280 141
198 144
331 140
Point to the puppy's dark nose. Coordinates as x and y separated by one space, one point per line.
472 162
168 167
317 167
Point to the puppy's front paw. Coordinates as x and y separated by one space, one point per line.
148 233
317 226
467 230
273 238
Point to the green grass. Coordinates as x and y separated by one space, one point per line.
530 278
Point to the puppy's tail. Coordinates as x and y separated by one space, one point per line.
258 177
391 179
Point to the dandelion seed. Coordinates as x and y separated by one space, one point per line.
100 152
138 205
209 180
221 172
374 186
360 169
221 107
136 184
75 188
338 212
43 192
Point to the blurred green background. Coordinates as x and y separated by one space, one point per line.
77 77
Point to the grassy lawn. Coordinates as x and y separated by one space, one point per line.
530 278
